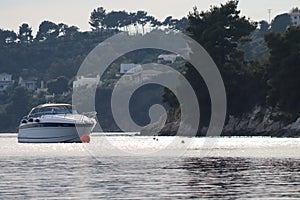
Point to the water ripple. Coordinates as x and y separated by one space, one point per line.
147 178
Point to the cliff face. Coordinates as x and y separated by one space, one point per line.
166 126
259 122
262 122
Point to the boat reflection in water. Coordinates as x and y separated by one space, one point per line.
52 123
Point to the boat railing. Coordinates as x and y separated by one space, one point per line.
92 114
64 115
35 115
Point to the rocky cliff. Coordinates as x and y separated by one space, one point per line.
260 121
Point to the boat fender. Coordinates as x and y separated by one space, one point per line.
24 121
37 120
85 138
30 120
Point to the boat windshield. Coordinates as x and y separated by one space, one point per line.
52 110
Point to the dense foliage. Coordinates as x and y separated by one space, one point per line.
220 30
284 70
255 80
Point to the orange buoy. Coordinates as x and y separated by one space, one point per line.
85 139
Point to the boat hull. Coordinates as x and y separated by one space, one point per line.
53 133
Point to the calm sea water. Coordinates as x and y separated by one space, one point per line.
132 167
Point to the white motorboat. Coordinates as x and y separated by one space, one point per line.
53 123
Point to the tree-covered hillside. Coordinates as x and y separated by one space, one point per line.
271 79
56 52
259 62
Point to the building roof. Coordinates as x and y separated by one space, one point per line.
168 56
130 68
4 73
295 12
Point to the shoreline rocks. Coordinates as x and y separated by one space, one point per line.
260 121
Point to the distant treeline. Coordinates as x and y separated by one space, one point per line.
100 21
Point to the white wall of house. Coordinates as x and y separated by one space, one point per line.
295 17
5 81
5 77
130 68
171 58
29 84
86 81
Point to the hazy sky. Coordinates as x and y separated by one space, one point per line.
76 12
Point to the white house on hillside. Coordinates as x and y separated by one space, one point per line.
130 68
167 58
5 81
30 84
86 81
295 17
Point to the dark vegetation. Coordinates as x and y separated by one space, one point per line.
259 62
268 76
